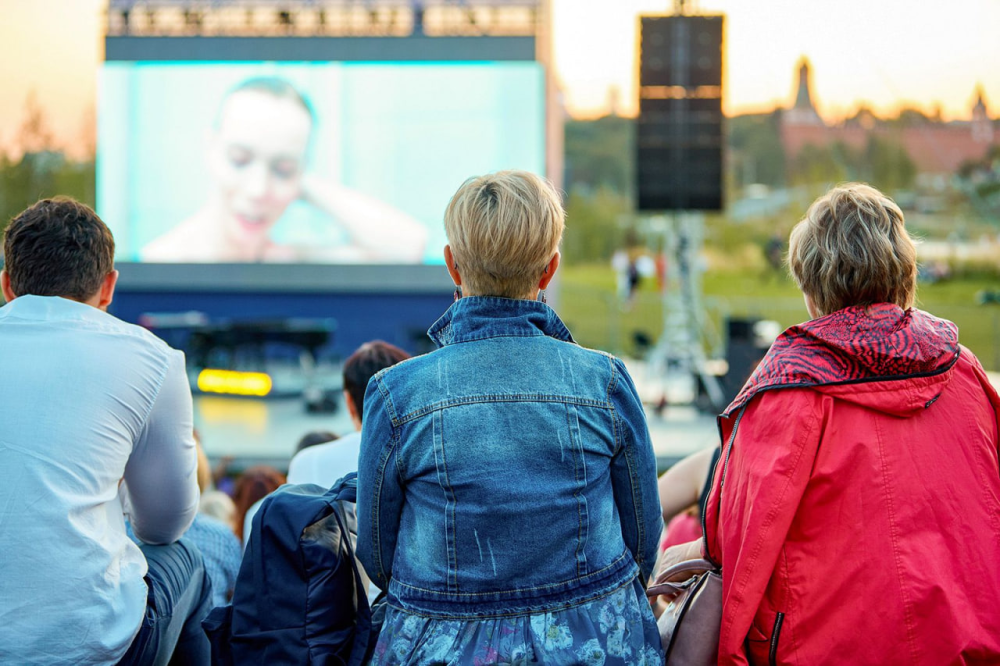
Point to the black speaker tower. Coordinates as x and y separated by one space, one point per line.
679 135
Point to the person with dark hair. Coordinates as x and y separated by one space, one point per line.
97 425
325 463
315 438
257 153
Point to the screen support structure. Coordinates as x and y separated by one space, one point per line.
680 350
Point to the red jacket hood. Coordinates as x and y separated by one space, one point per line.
881 356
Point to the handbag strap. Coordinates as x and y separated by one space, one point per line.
664 584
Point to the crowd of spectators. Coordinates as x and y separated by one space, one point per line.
507 498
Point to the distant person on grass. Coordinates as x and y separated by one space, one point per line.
97 423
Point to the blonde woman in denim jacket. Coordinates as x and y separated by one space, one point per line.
507 486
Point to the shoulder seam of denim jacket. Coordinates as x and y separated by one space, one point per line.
509 397
613 379
387 398
615 418
398 364
625 555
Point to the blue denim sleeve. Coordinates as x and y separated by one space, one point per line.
380 495
633 474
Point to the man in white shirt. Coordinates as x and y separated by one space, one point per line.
96 423
324 464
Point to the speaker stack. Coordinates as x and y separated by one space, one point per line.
679 134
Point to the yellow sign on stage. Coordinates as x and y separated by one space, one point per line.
230 382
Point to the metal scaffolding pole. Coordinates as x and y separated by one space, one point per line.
680 350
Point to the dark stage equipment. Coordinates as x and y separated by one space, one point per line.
679 136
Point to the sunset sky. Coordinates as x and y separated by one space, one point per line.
881 52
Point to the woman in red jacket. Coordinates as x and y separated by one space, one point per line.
856 508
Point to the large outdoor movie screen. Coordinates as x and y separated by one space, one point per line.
304 162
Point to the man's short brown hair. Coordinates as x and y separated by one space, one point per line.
58 247
367 361
852 249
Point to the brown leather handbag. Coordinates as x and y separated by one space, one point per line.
691 622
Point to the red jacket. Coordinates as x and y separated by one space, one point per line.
860 499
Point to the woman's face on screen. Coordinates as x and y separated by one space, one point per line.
256 159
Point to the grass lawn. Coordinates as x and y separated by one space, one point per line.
589 306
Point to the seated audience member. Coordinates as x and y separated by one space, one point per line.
507 483
222 476
254 484
214 503
682 528
313 438
856 511
326 463
97 423
220 506
687 482
216 540
683 491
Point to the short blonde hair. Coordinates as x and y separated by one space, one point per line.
503 229
852 249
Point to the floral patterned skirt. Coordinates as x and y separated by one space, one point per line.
616 629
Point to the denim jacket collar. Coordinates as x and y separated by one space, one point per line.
481 317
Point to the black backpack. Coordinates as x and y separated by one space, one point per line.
299 597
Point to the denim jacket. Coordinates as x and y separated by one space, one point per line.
508 472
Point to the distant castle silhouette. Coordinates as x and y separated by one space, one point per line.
934 146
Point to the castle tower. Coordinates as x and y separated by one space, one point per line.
803 112
982 125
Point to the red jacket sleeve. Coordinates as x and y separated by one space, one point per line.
762 476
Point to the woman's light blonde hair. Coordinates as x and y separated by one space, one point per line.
503 229
852 249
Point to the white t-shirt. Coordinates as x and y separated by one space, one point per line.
325 464
86 401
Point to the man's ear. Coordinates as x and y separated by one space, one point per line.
8 293
107 291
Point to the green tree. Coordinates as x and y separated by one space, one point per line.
593 224
601 153
757 154
821 164
889 166
40 170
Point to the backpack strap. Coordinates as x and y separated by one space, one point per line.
363 634
346 490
